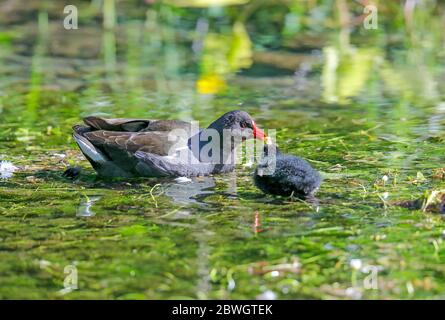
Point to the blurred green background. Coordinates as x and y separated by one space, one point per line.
364 106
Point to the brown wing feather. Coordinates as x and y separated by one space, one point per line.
153 142
135 125
168 125
118 124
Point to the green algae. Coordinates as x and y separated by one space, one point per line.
375 133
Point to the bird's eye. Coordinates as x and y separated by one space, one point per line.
243 124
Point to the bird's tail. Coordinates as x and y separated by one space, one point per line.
94 155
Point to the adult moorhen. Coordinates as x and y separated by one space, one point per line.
156 148
286 175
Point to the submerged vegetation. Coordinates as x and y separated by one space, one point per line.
364 106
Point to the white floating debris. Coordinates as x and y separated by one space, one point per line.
356 264
7 169
44 264
183 180
267 295
59 155
275 273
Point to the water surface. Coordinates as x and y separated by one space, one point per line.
359 112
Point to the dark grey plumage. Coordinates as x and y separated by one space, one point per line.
287 175
145 148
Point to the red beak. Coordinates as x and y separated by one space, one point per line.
258 133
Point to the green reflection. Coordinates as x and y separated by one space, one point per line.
366 107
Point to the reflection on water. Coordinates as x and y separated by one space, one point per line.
85 208
358 104
190 191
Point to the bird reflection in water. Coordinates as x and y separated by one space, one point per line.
191 191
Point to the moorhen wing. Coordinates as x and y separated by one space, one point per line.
157 148
286 175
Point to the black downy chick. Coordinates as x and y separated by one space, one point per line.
286 175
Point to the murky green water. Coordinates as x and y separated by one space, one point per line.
356 112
